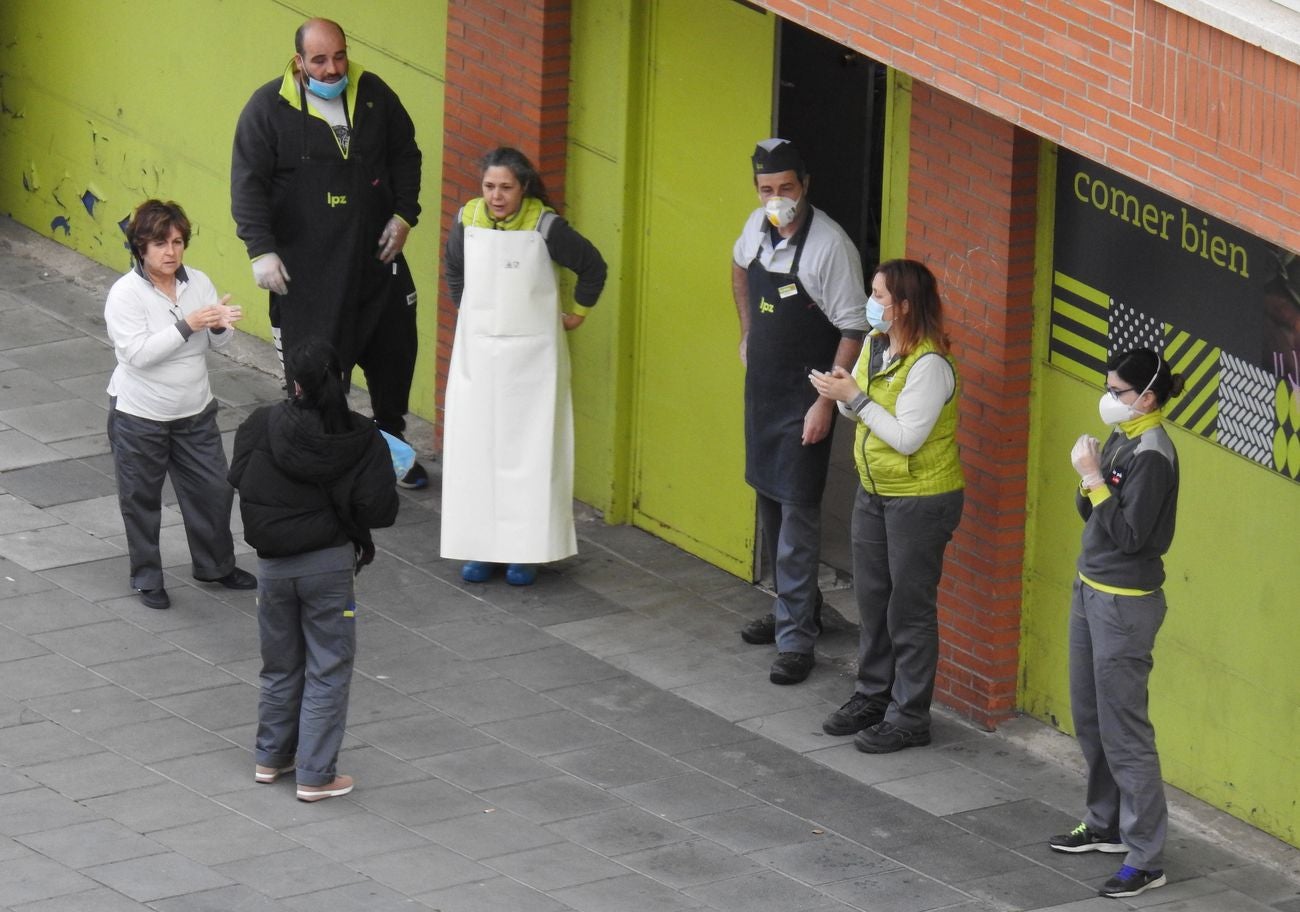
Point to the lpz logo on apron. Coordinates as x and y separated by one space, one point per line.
332 199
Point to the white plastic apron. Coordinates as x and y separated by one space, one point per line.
507 473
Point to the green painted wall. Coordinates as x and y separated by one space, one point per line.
131 100
1224 698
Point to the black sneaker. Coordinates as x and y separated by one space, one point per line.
853 716
885 738
1132 881
415 479
235 579
157 599
1083 839
791 667
762 631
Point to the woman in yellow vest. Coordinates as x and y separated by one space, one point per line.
903 394
507 461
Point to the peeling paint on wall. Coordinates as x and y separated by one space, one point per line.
31 180
61 222
90 197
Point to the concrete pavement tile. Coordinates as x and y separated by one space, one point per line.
1017 824
428 668
549 800
18 451
417 737
20 388
16 646
372 768
216 709
426 602
612 634
1198 894
54 546
554 867
543 606
31 878
165 674
290 873
40 676
392 574
560 665
50 609
422 869
680 729
157 876
15 581
241 386
870 769
217 840
365 894
618 763
277 807
490 896
951 791
375 701
629 893
72 357
155 807
1026 887
678 665
12 848
415 804
765 891
551 732
57 483
234 898
82 447
97 709
18 515
232 637
488 636
15 713
752 828
111 640
958 857
743 698
100 899
493 700
616 699
191 607
622 830
55 421
81 309
746 762
482 835
1259 882
213 773
798 729
92 775
900 890
1188 855
38 809
14 781
161 739
691 794
102 516
824 860
84 845
486 767
689 863
354 836
97 581
378 636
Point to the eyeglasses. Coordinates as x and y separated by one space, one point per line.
1116 393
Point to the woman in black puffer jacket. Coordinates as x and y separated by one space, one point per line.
313 480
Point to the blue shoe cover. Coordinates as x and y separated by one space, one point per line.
521 574
476 572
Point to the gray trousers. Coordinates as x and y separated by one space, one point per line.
309 639
1111 637
898 545
792 543
189 449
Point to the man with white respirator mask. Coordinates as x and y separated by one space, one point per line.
796 278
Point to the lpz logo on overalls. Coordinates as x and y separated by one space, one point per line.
765 307
331 200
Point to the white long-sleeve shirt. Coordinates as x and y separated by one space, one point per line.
162 370
929 385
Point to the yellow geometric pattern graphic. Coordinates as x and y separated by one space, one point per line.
1286 441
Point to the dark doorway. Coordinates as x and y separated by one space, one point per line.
831 103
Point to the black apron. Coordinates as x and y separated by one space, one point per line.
788 336
325 236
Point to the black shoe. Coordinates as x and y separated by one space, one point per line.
235 579
853 716
762 631
1132 881
1083 839
415 479
884 738
155 598
791 667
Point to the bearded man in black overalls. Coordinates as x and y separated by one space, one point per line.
325 185
797 281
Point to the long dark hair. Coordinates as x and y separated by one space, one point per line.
520 167
314 367
1141 366
913 282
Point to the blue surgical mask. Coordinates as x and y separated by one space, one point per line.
327 90
876 315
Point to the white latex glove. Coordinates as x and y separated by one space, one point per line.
392 239
269 273
1086 459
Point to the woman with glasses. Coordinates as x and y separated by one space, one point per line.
903 395
1128 498
162 319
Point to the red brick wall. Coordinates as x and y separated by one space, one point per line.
1178 105
507 85
971 211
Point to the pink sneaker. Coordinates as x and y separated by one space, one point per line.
340 786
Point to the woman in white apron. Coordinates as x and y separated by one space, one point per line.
507 476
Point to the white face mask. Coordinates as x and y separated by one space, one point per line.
781 211
1113 411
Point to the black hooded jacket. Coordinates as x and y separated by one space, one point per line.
297 483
